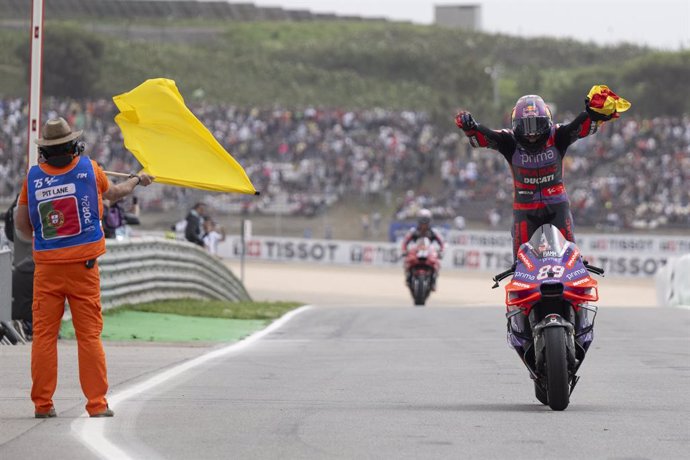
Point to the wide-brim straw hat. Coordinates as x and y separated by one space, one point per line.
56 132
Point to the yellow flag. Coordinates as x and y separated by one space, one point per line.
172 144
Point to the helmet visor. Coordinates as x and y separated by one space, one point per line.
532 126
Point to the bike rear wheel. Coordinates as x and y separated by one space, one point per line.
557 382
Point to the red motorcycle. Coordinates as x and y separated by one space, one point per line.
422 264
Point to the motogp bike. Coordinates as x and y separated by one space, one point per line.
421 266
550 319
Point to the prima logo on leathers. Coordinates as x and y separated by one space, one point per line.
541 157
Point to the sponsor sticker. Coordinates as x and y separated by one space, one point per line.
576 273
525 260
521 285
526 276
555 190
581 281
572 260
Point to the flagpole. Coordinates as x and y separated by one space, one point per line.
116 174
35 72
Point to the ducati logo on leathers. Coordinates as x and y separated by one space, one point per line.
539 180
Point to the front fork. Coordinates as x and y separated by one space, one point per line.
527 339
554 320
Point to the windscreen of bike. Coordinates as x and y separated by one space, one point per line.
548 241
423 247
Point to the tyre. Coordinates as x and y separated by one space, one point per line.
558 389
419 288
540 393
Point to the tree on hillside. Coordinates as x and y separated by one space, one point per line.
71 61
660 83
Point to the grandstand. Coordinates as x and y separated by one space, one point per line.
163 9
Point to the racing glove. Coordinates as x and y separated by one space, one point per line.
596 116
465 121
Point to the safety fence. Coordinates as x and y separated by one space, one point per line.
148 269
7 333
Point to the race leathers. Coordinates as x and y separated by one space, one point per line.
414 234
539 194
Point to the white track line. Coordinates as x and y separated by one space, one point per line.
90 432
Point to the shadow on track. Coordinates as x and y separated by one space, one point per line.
499 407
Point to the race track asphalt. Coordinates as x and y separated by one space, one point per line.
378 382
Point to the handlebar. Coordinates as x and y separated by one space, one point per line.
591 268
502 276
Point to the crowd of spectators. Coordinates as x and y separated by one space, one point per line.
632 174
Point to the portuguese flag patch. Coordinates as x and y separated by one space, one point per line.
59 218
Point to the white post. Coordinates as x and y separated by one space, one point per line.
36 70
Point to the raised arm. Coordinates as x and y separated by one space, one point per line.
586 123
481 136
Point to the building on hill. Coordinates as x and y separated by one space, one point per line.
467 17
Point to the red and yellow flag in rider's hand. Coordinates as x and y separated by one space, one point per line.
604 101
172 144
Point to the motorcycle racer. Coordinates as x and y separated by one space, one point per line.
534 148
422 230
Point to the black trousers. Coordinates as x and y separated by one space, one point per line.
526 222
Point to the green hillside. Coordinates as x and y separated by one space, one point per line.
343 64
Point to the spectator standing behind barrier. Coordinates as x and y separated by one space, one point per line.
61 203
213 234
113 218
194 231
116 218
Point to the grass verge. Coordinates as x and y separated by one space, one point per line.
215 308
186 320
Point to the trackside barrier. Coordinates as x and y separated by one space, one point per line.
8 335
150 268
673 283
5 284
619 255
